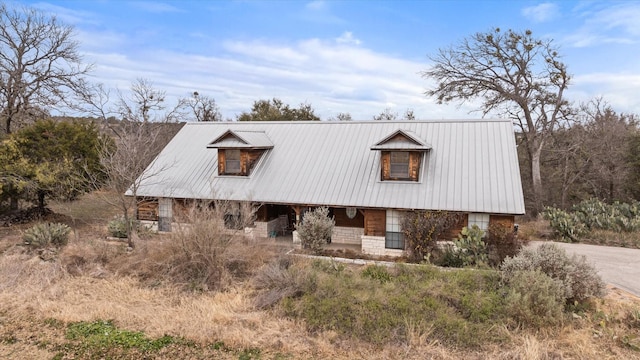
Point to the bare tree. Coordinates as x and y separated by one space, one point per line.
40 66
387 114
343 117
203 107
145 129
515 75
609 134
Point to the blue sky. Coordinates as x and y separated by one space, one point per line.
340 56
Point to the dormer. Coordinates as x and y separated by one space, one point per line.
401 154
239 151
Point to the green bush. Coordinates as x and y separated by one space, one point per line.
47 234
315 230
423 229
118 227
470 246
534 299
579 278
594 214
566 226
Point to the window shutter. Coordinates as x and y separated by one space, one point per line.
386 161
244 159
414 165
221 161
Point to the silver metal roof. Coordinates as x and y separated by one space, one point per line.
472 166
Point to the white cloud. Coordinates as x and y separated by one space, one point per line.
618 24
541 13
618 89
347 38
155 7
332 77
67 15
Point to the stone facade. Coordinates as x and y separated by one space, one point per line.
347 235
374 245
264 229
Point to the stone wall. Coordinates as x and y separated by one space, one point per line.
347 235
374 245
263 229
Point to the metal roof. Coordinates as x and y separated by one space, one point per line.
472 166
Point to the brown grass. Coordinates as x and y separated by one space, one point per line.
94 279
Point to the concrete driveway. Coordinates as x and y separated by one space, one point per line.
617 266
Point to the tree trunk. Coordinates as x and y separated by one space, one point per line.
41 202
535 152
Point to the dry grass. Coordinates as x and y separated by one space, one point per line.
43 290
94 279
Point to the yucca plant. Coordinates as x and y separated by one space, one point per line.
47 234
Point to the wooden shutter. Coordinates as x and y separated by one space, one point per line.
414 165
221 161
244 159
386 165
375 222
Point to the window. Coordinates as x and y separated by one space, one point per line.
232 161
394 238
399 168
482 220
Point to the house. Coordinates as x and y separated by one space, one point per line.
368 174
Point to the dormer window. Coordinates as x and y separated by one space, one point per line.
401 155
232 161
239 151
399 164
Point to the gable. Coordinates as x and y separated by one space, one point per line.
401 140
231 139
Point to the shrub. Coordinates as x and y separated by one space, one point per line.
423 229
579 278
501 242
117 227
449 257
534 299
315 230
565 226
47 234
470 246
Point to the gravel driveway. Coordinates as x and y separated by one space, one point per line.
617 266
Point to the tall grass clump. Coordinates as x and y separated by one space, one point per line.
580 280
203 254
